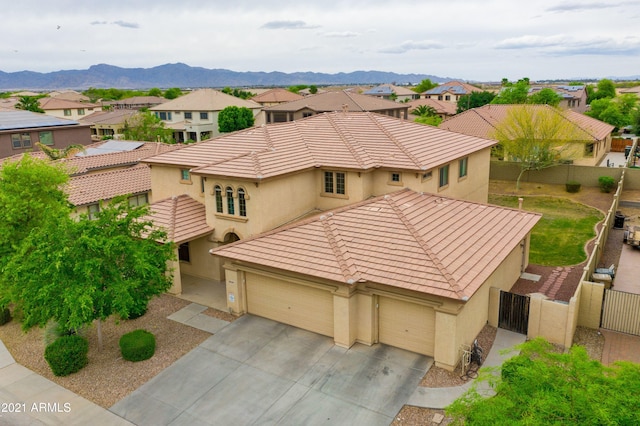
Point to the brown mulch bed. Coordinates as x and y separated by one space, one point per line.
108 378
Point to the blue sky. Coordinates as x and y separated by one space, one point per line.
470 40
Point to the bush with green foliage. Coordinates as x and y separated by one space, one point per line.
5 316
573 186
137 345
67 355
607 183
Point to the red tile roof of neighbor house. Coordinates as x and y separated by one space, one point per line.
421 242
181 217
118 116
88 189
277 95
441 107
336 101
58 103
482 121
204 100
360 141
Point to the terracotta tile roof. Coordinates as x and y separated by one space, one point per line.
482 121
421 242
70 95
59 103
277 95
118 116
360 141
455 87
138 100
334 101
92 188
441 107
204 100
182 217
85 164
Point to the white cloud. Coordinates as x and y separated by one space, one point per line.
288 25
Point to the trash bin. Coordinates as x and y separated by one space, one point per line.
618 221
627 150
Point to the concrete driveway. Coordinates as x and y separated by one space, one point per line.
257 371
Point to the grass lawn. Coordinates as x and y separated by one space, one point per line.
560 236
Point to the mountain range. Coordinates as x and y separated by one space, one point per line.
185 76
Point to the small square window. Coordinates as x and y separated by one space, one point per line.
185 174
80 111
204 116
67 113
396 177
188 115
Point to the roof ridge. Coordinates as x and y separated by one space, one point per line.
346 137
174 209
267 136
256 164
353 100
402 148
349 269
425 247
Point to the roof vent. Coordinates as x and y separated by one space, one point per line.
345 107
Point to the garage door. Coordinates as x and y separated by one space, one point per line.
305 307
406 325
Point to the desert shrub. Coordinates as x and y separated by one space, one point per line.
67 355
607 183
137 345
5 316
573 186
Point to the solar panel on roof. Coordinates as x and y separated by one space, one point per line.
111 146
26 119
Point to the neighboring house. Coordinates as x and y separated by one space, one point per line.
136 102
442 108
275 97
307 91
393 93
108 124
588 151
407 269
258 179
86 192
573 97
69 95
62 108
20 130
634 90
194 116
450 91
330 102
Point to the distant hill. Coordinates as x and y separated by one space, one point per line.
185 76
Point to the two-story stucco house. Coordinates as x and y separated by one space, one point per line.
194 116
71 110
450 91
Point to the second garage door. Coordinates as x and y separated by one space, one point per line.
305 307
406 325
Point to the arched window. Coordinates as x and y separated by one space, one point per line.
242 202
218 195
231 208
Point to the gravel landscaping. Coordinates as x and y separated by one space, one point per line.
108 378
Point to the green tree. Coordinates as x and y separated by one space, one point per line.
424 110
29 103
145 126
536 137
155 92
238 93
75 272
31 196
424 85
234 118
546 96
172 93
474 100
618 112
542 387
513 93
297 88
431 120
313 89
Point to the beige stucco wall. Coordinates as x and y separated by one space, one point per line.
591 296
201 264
165 183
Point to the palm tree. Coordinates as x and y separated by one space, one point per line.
29 103
424 111
57 154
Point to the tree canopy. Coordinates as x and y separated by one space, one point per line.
172 93
145 126
513 93
543 387
424 85
474 100
78 271
536 137
238 93
31 195
618 112
604 89
29 103
234 118
545 96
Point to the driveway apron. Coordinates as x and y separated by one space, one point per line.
257 371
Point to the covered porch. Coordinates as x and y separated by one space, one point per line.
204 291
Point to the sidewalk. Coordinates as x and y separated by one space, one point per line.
440 398
34 400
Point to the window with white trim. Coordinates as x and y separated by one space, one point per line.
218 196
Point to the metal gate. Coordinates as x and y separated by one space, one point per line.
514 312
621 312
